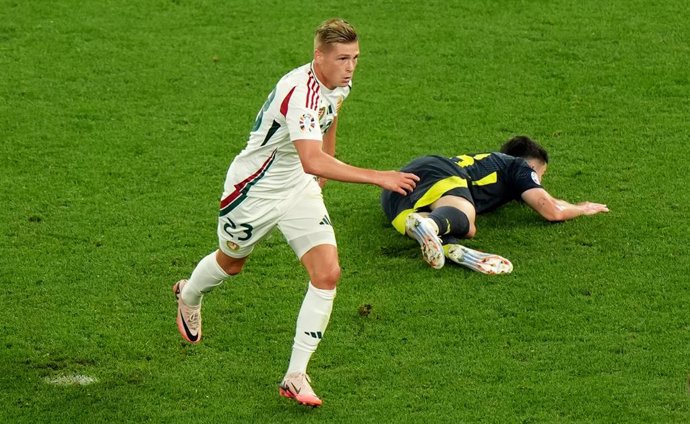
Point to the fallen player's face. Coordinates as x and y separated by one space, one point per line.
337 64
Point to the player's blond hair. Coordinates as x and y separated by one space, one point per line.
333 31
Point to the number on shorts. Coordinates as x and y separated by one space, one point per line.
229 226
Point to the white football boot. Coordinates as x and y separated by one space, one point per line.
424 231
478 261
188 317
296 386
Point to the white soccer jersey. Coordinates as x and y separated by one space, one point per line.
299 107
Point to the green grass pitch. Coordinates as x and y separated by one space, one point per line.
118 121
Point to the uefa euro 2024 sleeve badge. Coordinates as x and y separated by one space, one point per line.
307 122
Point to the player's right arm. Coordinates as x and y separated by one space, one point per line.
328 145
316 162
556 210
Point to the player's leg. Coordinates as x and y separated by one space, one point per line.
454 215
321 263
450 214
308 229
210 272
425 231
478 261
238 232
437 180
402 213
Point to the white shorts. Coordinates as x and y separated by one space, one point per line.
302 218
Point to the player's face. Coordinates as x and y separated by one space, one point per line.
336 65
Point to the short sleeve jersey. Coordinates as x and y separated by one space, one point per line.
488 180
298 108
496 178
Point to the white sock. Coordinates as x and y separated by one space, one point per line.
311 324
206 276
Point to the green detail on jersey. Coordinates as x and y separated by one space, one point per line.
264 108
230 202
271 131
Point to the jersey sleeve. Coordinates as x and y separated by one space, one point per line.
299 109
523 178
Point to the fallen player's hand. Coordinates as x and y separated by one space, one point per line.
590 208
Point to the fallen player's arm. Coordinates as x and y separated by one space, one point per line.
555 210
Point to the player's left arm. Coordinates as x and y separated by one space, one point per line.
328 145
556 210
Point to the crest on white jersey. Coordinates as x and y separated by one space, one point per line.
307 122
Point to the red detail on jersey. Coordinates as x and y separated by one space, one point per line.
242 184
313 92
286 101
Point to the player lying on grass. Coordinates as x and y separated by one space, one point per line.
452 191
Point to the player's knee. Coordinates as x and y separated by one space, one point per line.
471 232
332 275
326 277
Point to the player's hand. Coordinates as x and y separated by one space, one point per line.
399 182
590 208
322 181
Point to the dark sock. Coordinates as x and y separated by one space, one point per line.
448 239
450 221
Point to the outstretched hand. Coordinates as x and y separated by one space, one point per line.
399 182
590 208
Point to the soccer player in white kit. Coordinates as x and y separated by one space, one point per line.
272 182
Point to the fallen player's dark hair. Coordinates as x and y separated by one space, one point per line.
524 147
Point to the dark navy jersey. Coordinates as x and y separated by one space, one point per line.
488 180
496 178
